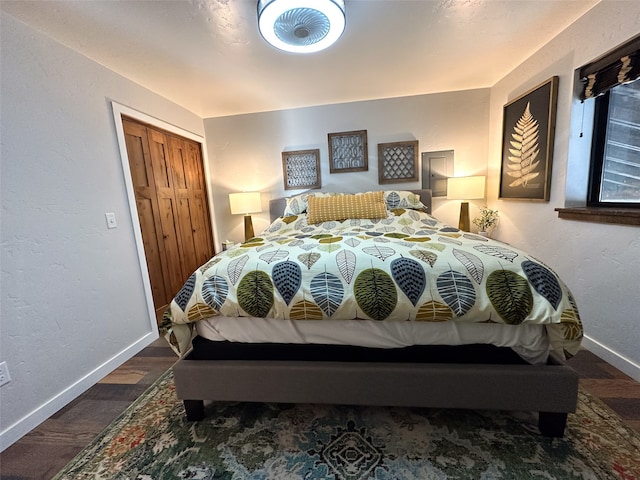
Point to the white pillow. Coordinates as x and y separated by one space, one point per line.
299 203
403 199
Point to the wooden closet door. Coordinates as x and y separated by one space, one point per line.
168 210
141 168
171 198
191 198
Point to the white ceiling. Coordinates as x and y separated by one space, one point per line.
208 56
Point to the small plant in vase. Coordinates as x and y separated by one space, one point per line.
486 221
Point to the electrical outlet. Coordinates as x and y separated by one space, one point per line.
4 374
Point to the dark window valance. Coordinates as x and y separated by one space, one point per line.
621 65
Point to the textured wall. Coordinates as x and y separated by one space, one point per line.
599 262
72 294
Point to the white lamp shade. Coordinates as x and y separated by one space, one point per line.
301 26
245 202
465 188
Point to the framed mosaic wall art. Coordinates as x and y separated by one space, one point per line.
348 152
398 162
301 169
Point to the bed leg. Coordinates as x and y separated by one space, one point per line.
552 424
194 410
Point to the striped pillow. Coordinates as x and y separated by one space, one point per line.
362 205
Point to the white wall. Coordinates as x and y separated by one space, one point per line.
599 262
73 305
245 151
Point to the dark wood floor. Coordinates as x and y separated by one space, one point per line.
49 447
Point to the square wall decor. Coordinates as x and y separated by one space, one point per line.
398 162
301 169
348 152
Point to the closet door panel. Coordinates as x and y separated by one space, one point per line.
153 251
160 160
186 228
148 210
169 210
189 186
196 184
171 240
201 231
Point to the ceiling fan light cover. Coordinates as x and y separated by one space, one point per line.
301 26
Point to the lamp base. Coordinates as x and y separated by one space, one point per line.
248 228
464 224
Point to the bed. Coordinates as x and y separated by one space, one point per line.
368 299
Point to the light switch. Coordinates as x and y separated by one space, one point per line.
111 220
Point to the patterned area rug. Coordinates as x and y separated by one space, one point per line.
153 441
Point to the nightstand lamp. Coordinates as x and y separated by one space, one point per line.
243 204
465 188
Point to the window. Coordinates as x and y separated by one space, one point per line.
613 83
615 160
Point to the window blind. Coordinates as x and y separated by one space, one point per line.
621 65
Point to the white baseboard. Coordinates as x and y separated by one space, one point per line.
23 426
620 362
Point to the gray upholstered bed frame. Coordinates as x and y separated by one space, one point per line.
551 389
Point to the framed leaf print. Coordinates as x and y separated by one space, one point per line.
529 124
301 169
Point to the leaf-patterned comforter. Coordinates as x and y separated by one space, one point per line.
407 267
